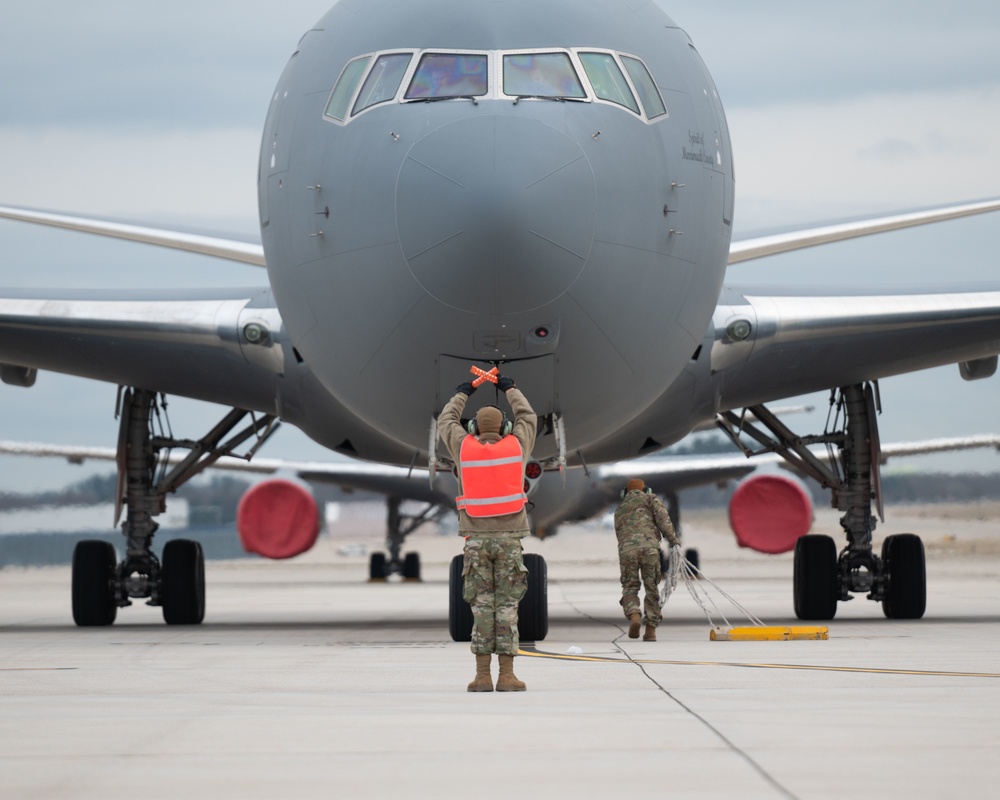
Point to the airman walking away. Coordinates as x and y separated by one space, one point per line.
491 456
641 520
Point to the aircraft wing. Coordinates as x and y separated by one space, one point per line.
181 342
664 474
676 471
772 244
388 480
667 473
796 343
250 251
227 247
943 445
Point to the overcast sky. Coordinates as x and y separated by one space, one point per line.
153 111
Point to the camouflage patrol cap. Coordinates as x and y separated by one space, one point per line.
635 484
489 419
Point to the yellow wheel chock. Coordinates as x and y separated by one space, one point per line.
760 633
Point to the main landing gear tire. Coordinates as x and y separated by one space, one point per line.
905 596
532 612
411 567
94 567
376 567
183 582
815 578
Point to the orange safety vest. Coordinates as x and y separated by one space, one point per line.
492 477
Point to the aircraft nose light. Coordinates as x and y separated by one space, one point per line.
496 214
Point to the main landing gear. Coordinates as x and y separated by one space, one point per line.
822 578
398 527
102 585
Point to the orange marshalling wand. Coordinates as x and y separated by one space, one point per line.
483 375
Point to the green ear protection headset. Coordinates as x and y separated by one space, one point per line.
506 426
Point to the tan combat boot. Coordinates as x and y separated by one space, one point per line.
633 624
650 634
508 682
483 682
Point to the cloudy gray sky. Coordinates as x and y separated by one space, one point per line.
153 111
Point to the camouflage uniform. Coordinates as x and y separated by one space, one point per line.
639 522
494 578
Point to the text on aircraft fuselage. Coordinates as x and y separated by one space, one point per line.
435 195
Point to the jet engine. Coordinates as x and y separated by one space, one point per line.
277 519
768 513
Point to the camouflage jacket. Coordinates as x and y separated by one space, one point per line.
640 521
452 433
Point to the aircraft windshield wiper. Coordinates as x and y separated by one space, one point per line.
557 98
473 98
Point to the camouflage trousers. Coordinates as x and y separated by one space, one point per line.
645 564
494 580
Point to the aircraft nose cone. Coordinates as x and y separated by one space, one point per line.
496 214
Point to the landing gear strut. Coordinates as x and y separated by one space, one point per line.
821 577
100 584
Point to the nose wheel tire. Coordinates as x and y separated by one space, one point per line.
533 611
459 611
94 568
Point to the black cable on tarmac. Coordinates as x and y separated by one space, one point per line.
754 765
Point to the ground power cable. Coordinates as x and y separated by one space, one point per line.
753 764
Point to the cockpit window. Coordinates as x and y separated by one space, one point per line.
442 75
343 91
590 74
644 84
607 79
541 75
383 80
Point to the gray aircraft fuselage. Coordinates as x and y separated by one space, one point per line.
579 242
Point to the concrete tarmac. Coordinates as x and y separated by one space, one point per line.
307 682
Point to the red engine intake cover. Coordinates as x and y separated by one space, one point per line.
277 519
768 513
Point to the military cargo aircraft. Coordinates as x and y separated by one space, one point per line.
550 192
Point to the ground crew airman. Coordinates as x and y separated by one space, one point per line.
490 456
641 520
